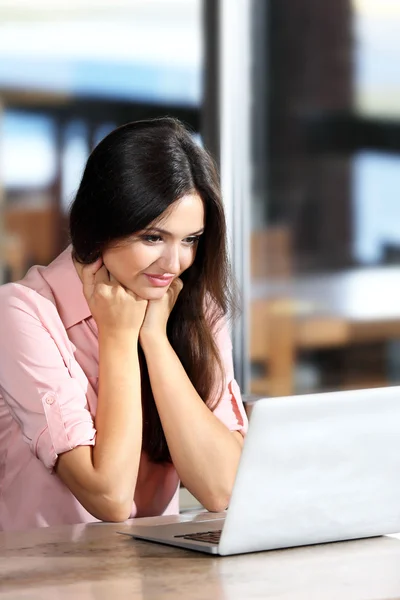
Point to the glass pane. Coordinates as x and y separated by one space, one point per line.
106 51
325 262
28 156
73 159
376 57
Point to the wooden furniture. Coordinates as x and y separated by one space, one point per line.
37 228
95 562
272 346
334 310
13 256
271 322
271 252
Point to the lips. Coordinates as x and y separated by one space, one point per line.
159 280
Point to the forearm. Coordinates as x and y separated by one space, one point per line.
103 477
203 450
116 454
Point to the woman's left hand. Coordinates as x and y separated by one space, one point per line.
158 311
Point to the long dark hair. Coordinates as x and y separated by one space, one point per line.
131 177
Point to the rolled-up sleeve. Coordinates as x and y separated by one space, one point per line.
47 402
230 409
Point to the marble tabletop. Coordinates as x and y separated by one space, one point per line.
95 562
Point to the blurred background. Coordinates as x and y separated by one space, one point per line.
299 102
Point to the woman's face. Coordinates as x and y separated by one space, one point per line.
148 261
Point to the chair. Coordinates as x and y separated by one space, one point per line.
272 346
37 227
13 257
271 252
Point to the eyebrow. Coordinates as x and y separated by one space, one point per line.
165 232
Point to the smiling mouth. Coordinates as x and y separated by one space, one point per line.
163 276
159 280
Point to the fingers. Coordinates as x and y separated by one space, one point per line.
93 274
174 291
177 285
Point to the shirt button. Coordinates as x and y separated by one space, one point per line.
50 400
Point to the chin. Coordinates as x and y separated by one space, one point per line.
151 294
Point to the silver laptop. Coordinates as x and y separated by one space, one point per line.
315 468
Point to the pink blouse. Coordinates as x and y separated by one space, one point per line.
48 398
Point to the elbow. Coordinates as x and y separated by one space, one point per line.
116 513
217 503
113 510
216 498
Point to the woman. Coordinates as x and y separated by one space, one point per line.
116 374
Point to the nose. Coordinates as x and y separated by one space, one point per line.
171 259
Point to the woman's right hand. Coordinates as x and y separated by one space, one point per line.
113 307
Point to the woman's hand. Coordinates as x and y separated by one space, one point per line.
158 311
113 307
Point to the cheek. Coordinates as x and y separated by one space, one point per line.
125 263
142 258
188 259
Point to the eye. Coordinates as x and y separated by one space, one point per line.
152 239
191 240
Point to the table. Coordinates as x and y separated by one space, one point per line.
327 310
95 562
363 299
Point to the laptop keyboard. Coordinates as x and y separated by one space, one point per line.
209 537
